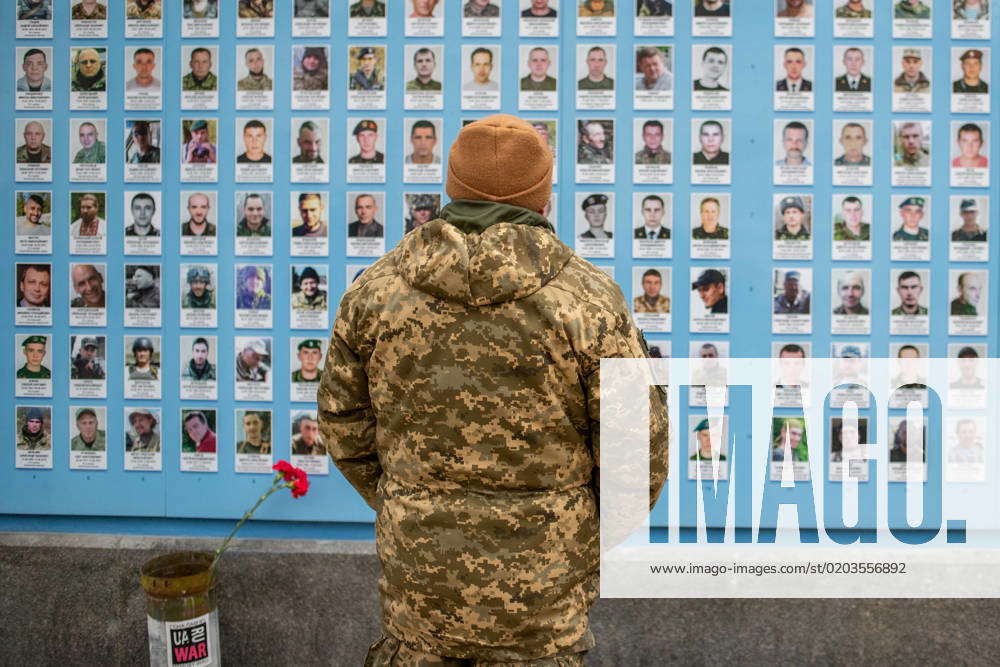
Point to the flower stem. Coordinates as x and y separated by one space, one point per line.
246 517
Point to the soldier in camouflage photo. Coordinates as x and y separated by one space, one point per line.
594 144
143 366
440 405
911 211
256 78
89 437
32 434
199 368
143 9
793 214
309 296
651 301
34 349
256 9
849 224
142 435
86 365
652 151
201 291
424 63
306 438
201 76
250 364
367 8
367 76
311 70
89 10
853 9
309 353
253 222
34 150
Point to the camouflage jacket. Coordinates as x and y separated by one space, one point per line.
134 10
460 397
251 82
210 82
44 156
100 13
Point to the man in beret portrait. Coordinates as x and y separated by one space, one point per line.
595 212
704 452
34 348
309 354
198 149
366 134
911 210
367 76
972 69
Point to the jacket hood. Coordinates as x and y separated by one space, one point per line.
479 253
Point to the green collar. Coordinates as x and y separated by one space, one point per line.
474 217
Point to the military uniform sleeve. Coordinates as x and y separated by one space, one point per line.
619 338
346 418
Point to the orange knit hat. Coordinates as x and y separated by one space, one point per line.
500 158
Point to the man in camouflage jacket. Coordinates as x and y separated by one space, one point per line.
460 398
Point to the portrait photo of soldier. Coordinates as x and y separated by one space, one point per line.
901 451
653 8
595 214
651 300
144 9
969 364
253 288
851 290
848 438
200 75
253 216
480 70
34 285
711 288
704 8
256 9
367 9
34 428
480 9
34 349
200 288
538 77
795 9
365 224
201 9
87 281
792 297
587 8
143 430
652 151
306 437
309 139
969 290
794 62
653 68
853 79
909 149
969 143
795 145
367 138
422 9
306 289
709 224
595 142
199 209
967 443
711 139
87 357
34 150
424 64
142 360
85 210
34 64
423 143
971 10
144 63
969 229
708 370
714 71
33 214
142 286
90 437
911 9
142 142
312 220
910 290
199 431
34 10
253 431
309 354
911 373
89 70
199 142
421 207
255 143
597 78
853 139
312 9
368 68
912 78
791 364
792 223
911 213
255 68
652 210
311 69
849 224
199 367
853 9
92 149
142 207
788 438
972 69
253 359
704 450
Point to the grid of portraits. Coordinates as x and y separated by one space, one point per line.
183 244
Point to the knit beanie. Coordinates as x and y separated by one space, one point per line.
500 158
